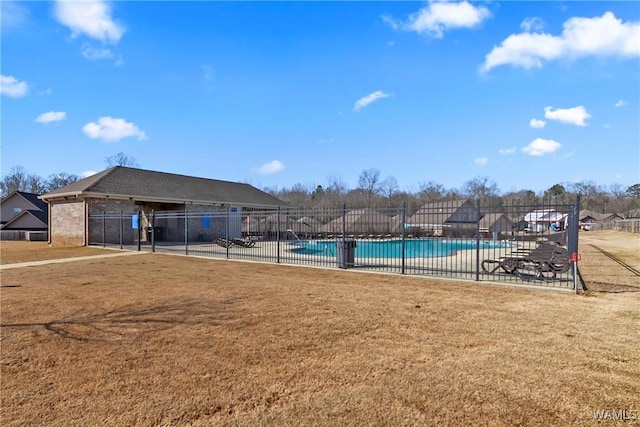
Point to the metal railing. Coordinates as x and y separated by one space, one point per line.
460 239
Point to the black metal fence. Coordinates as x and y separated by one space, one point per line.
455 239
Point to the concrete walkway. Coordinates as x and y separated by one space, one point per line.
61 260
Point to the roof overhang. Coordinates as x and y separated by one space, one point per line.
147 199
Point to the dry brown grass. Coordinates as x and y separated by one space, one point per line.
161 340
603 274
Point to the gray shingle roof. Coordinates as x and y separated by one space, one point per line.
443 212
146 185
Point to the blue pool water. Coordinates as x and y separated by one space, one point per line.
393 248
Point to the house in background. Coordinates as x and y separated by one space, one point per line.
365 221
127 191
633 213
23 216
446 218
494 224
541 220
587 217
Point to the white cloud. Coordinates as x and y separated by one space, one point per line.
481 161
390 21
93 54
12 87
271 167
438 17
366 100
507 151
607 126
50 117
534 24
87 174
537 124
621 103
574 116
91 18
603 36
112 129
540 147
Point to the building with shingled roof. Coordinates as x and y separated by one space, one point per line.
130 190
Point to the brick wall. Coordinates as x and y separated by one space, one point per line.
110 228
67 222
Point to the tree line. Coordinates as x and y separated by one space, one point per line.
375 191
18 179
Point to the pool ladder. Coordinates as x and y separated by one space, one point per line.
300 242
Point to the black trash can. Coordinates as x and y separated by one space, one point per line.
346 253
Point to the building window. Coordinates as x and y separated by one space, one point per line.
16 212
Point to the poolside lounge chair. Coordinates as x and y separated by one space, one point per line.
545 261
245 243
223 242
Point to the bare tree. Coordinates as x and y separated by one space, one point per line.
298 195
121 159
482 188
389 186
15 180
589 193
36 184
522 197
369 183
334 192
431 192
61 179
18 179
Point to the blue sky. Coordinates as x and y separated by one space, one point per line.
528 94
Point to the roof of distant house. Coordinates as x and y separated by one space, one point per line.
32 198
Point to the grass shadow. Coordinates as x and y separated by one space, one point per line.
132 322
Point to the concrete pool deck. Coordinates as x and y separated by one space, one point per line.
462 264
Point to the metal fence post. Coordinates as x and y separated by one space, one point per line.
104 228
139 229
186 230
572 243
404 219
153 230
478 215
121 227
344 221
278 235
226 231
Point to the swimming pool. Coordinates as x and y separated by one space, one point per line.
393 248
